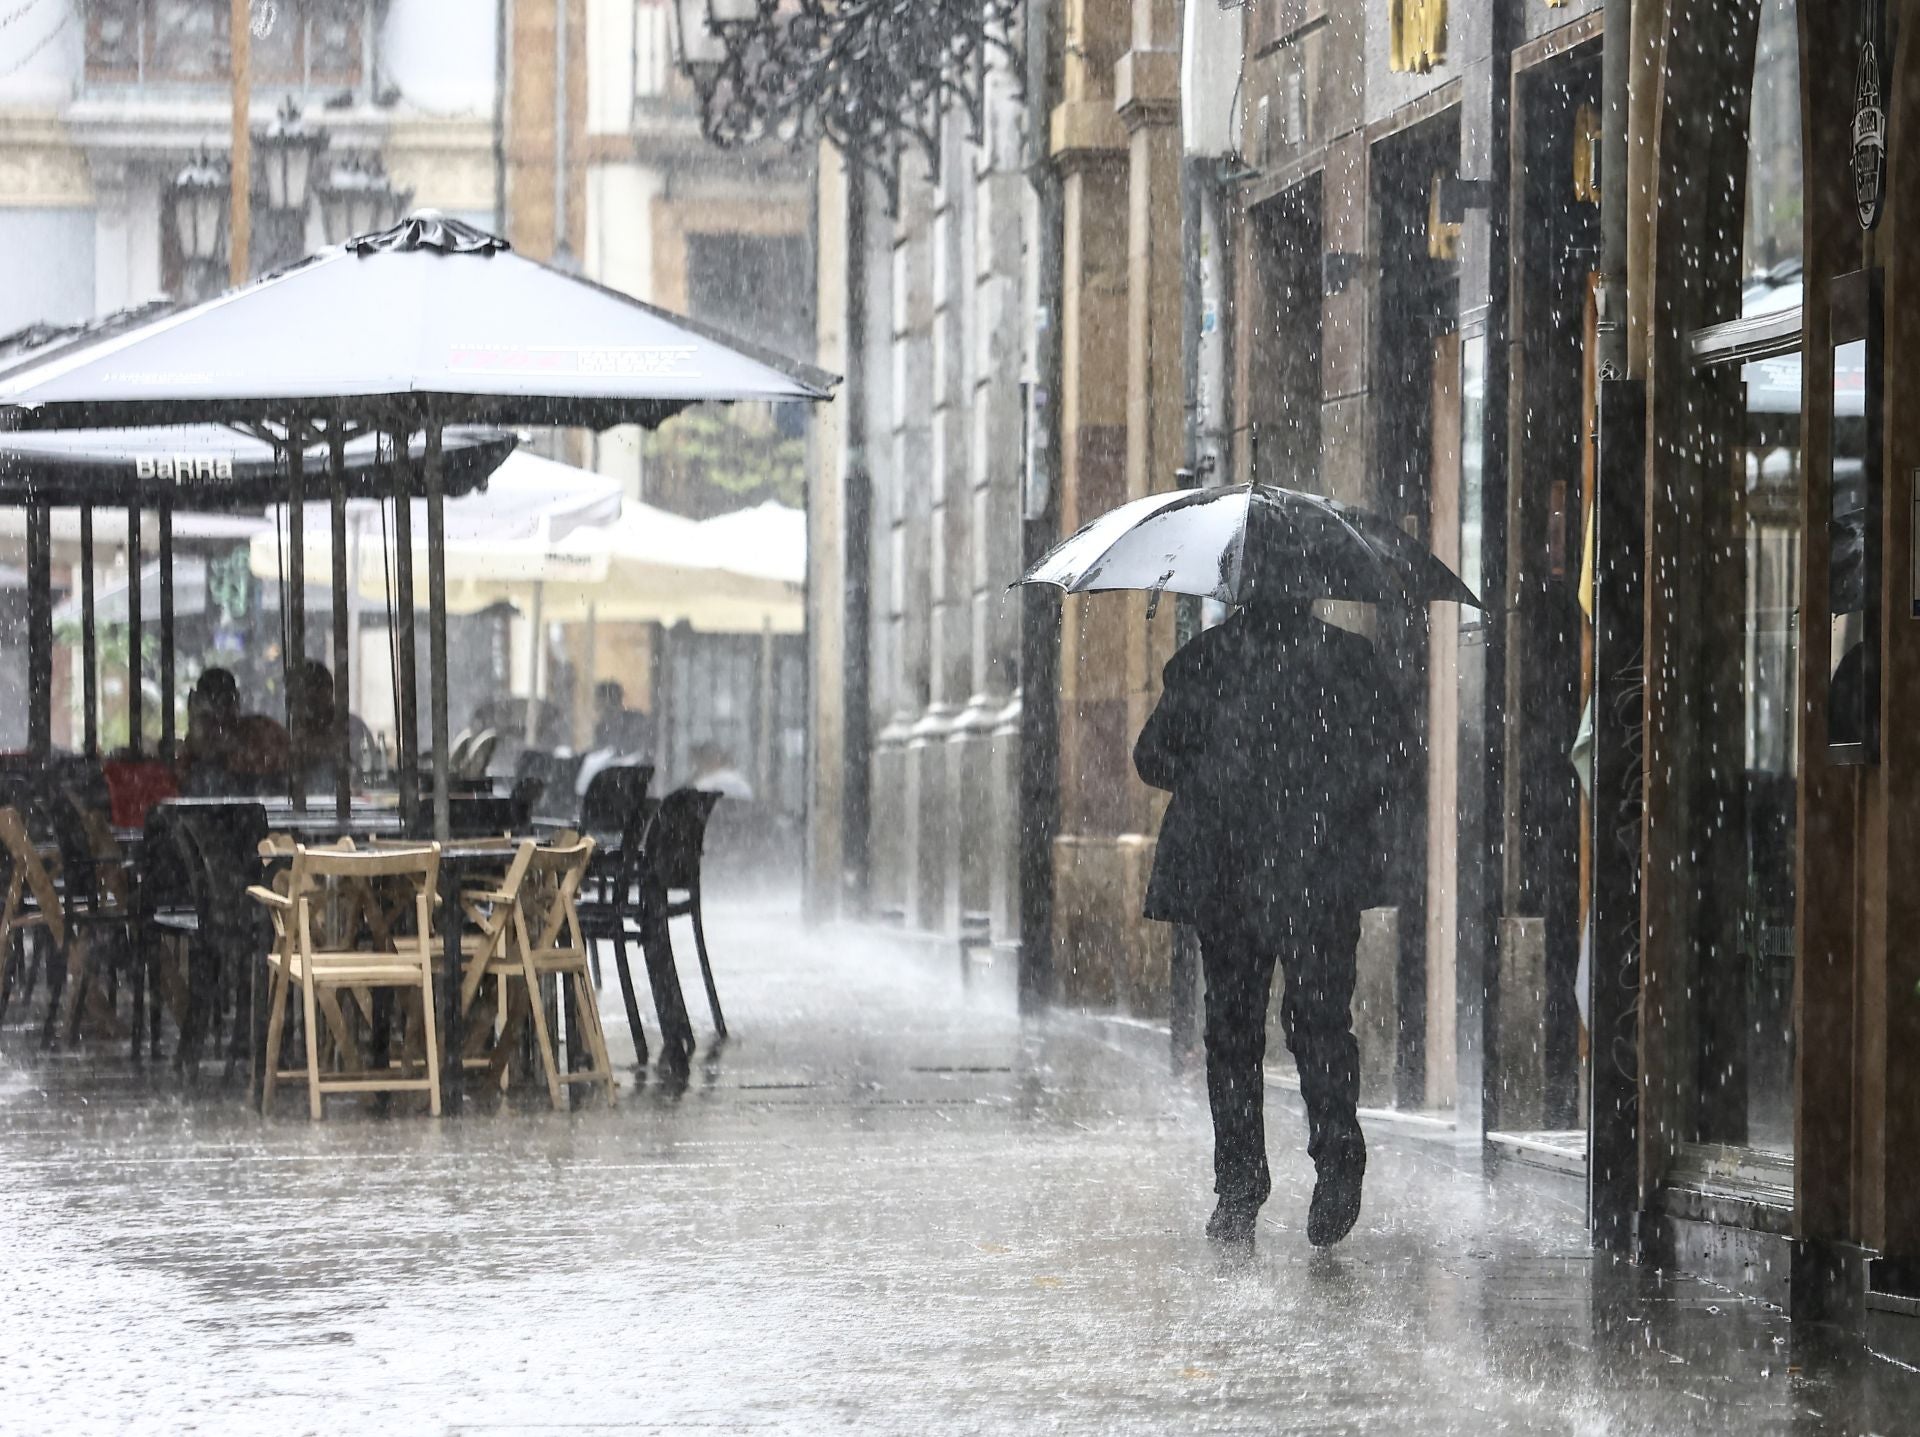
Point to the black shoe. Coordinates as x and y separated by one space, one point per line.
1336 1197
1233 1222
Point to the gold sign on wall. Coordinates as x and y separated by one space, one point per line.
1443 237
1586 155
1417 35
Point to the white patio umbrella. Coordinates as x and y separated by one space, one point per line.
529 506
649 566
769 538
425 325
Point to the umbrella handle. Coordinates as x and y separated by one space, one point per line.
1153 594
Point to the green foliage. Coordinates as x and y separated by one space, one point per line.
112 647
713 458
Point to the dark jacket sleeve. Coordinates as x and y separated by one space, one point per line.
1176 731
1391 771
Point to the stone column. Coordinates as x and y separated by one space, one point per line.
829 521
1091 928
949 667
904 740
1103 947
112 234
985 736
889 686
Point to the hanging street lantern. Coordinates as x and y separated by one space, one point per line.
198 200
286 152
200 208
357 197
701 50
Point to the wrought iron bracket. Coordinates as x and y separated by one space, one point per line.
872 77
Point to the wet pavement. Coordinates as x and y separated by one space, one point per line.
888 1205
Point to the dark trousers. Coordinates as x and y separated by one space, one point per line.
1316 950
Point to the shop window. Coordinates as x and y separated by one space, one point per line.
1443 235
1749 646
1417 35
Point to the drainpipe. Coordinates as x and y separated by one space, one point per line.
562 246
1615 921
856 509
1039 780
1616 66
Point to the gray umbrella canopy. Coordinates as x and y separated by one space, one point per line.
432 317
210 468
1238 542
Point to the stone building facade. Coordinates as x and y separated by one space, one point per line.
1650 897
943 259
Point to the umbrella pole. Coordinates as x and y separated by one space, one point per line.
437 627
536 660
39 629
136 632
166 631
296 610
89 638
763 750
342 657
405 706
590 661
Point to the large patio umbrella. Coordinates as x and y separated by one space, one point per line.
208 469
428 324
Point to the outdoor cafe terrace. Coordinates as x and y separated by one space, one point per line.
315 917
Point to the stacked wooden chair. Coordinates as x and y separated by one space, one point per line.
339 930
522 933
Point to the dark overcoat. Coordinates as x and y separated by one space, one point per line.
1285 752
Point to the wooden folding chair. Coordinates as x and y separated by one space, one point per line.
64 920
32 903
540 938
340 958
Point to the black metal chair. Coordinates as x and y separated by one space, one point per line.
524 797
219 847
675 847
96 903
163 911
559 799
621 908
613 795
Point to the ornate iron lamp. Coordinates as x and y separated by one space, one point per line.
199 204
286 152
357 197
869 75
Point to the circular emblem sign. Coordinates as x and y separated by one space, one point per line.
1869 138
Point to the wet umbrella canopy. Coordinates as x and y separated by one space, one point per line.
210 468
1236 543
432 315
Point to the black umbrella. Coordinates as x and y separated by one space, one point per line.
1246 540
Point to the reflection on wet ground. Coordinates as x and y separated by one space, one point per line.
887 1205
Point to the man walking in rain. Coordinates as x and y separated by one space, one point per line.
1280 738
